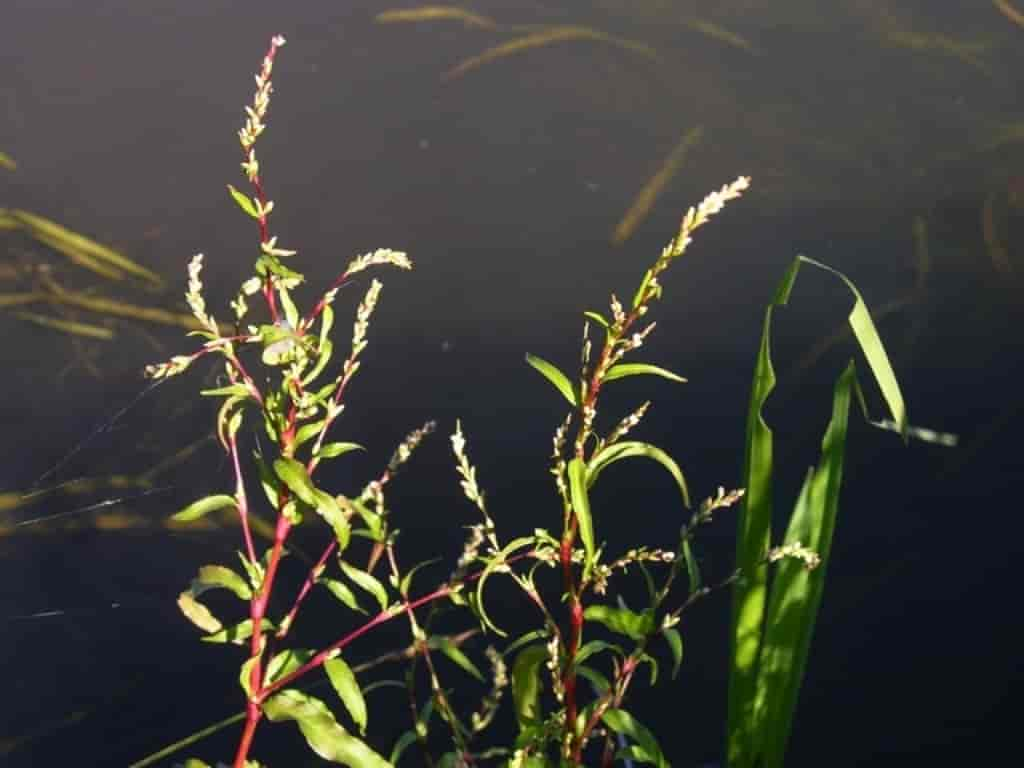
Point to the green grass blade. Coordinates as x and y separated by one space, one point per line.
752 542
796 592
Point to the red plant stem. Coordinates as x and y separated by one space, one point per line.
257 610
575 625
315 312
307 585
329 651
243 501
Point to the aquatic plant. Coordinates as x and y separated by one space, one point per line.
278 378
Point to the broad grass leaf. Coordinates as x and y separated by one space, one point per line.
322 732
753 538
796 592
555 376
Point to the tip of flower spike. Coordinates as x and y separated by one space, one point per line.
278 41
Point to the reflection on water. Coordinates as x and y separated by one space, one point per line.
501 143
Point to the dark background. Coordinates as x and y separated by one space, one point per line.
504 186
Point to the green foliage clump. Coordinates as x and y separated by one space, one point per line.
582 635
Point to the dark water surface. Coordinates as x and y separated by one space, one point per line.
504 185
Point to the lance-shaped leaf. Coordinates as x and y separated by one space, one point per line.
622 370
581 507
366 582
347 688
341 591
526 684
205 506
293 474
457 656
198 613
322 732
628 449
636 626
496 562
675 645
555 376
243 202
212 576
645 749
237 634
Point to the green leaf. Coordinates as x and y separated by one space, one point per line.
270 484
341 591
287 662
237 634
456 655
403 587
322 732
293 474
526 684
347 688
646 749
675 645
595 646
581 506
598 318
236 390
555 376
243 202
332 450
597 681
796 592
628 449
623 370
245 675
870 342
752 542
749 596
220 576
308 431
404 741
636 626
492 564
198 613
205 506
367 582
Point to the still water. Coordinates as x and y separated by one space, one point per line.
886 139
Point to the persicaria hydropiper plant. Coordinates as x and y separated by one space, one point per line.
583 635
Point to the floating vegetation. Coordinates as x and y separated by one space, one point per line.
652 189
969 53
720 34
544 37
81 250
998 253
68 326
50 291
435 13
1017 17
